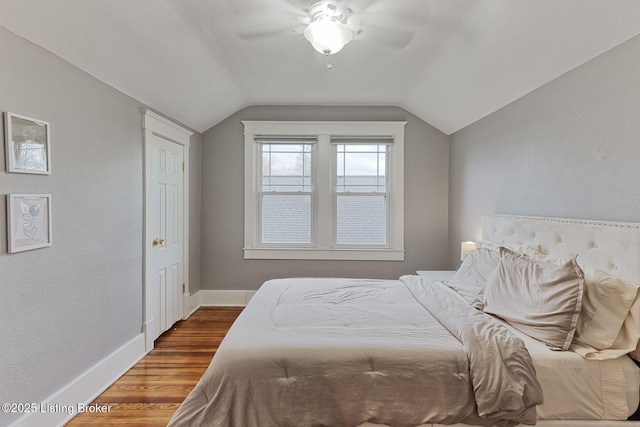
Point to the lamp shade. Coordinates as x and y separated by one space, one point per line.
327 36
465 248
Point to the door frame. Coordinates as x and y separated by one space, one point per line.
154 124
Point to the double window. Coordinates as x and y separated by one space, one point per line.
324 190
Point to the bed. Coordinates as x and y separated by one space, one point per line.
411 352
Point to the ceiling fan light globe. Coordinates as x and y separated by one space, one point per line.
328 36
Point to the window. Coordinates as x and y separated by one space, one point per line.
324 190
285 192
360 196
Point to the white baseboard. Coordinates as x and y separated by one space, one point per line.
191 304
207 298
69 400
149 335
187 309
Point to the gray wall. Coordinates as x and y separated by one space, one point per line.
426 199
569 149
65 308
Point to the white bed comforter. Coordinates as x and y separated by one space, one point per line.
342 352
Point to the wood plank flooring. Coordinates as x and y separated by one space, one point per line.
150 392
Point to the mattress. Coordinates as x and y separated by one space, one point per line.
579 389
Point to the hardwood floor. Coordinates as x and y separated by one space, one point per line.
150 392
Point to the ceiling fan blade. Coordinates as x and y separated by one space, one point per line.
299 4
258 33
249 28
257 7
360 5
396 38
392 13
268 21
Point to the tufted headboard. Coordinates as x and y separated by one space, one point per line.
610 246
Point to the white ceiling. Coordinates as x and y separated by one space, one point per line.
185 58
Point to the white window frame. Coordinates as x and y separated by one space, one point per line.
323 205
335 193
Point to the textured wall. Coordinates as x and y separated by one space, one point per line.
569 149
64 308
426 195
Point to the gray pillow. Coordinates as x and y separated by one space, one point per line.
539 298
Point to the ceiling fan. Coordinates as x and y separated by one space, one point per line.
330 24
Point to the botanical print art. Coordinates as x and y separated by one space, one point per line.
30 222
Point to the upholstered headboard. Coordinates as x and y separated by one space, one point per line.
610 246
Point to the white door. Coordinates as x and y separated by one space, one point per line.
164 240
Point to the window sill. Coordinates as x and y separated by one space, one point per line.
326 254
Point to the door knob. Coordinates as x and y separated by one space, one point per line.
158 241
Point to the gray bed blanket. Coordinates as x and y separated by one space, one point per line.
342 352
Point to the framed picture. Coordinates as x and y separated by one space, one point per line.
29 221
28 144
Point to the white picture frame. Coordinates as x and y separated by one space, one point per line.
28 221
27 144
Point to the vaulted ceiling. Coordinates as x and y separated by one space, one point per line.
198 61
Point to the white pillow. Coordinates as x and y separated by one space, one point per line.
539 298
519 249
473 273
609 322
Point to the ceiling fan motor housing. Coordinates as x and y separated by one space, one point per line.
329 9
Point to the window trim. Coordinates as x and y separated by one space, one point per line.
323 205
